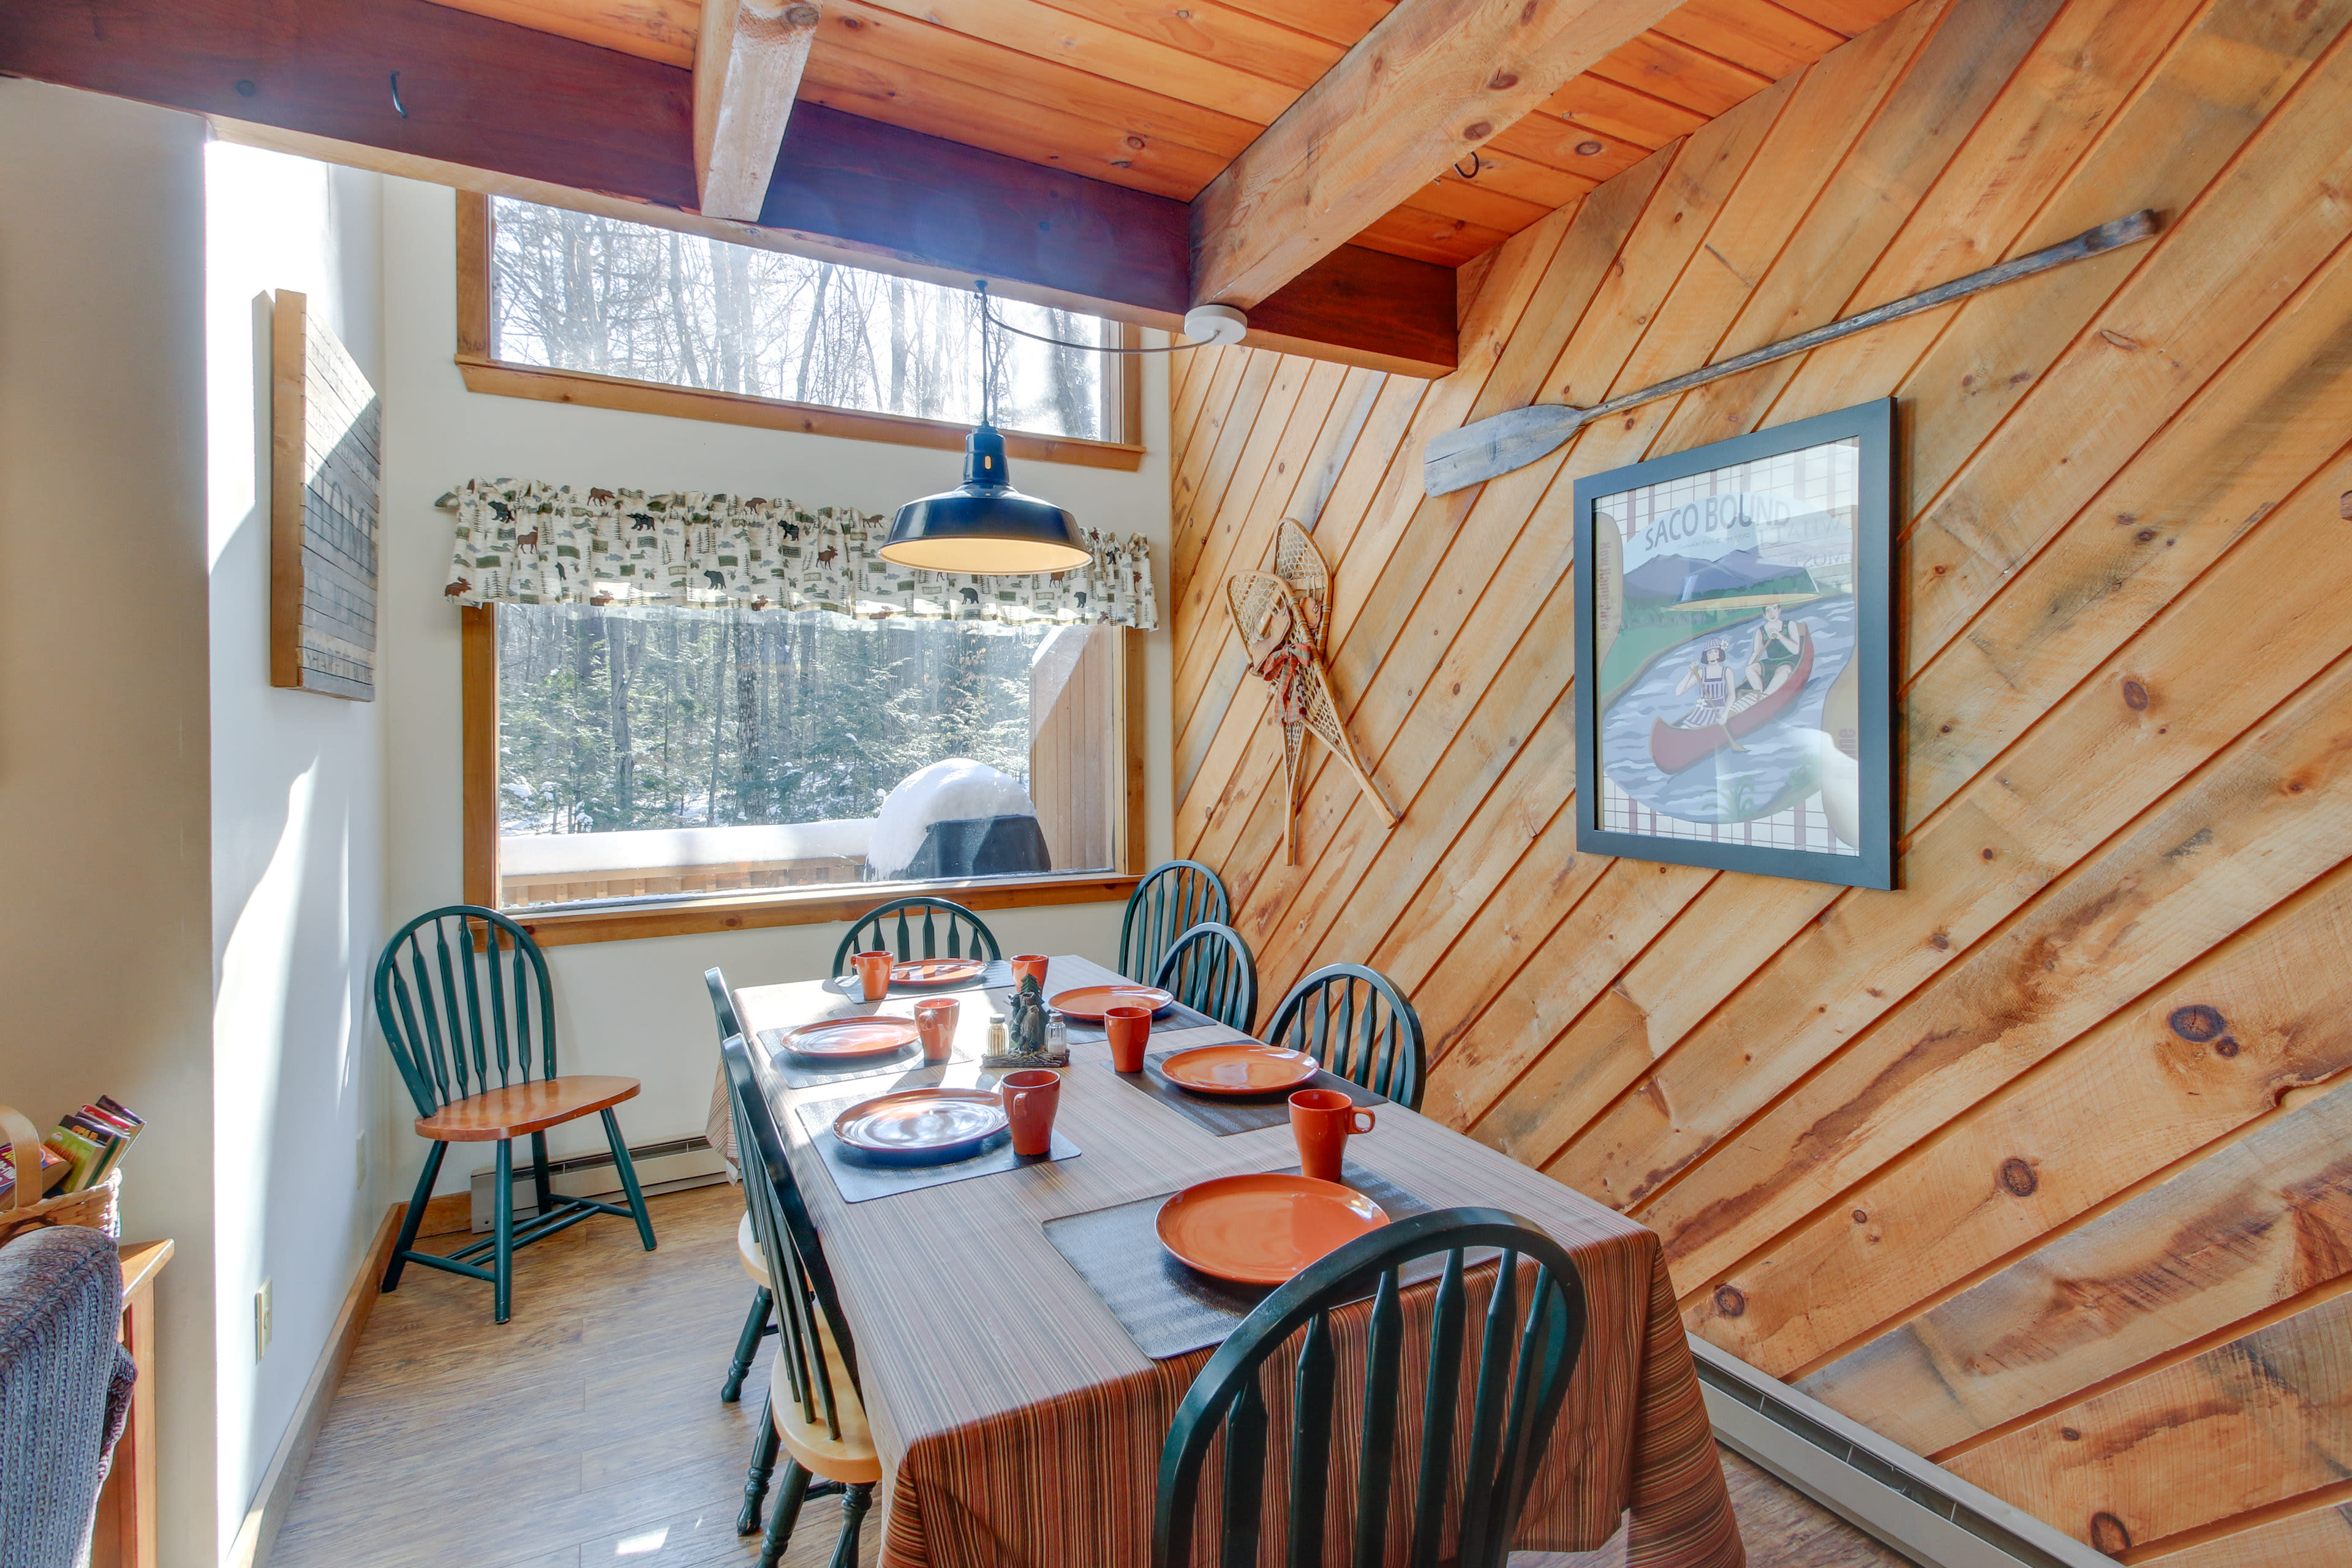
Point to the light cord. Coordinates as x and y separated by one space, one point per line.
1003 326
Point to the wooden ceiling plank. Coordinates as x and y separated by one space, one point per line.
1107 52
977 116
1483 201
1531 183
1625 112
1342 22
1848 16
1755 34
1428 86
1214 31
857 28
662 30
1667 68
746 72
1546 138
1430 237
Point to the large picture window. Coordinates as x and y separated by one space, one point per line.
646 759
586 308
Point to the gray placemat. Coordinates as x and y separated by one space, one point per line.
1168 1307
858 1180
1178 1016
1227 1115
801 1072
998 973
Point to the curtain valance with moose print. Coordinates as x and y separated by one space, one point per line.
528 543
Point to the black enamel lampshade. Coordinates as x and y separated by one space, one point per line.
984 525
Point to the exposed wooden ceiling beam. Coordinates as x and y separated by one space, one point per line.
493 107
1434 81
747 71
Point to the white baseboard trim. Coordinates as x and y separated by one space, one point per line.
1919 1509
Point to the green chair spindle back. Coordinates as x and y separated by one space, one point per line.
966 935
1519 1383
1359 1026
797 1273
463 995
1171 900
722 1003
1209 970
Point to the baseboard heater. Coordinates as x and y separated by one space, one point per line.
1919 1509
670 1167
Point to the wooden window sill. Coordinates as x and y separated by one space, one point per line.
810 906
589 390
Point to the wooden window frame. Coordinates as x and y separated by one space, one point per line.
831 904
484 374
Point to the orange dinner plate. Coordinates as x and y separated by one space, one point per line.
936 971
1087 1002
845 1039
1238 1068
1261 1230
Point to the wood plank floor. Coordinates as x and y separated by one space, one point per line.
589 1432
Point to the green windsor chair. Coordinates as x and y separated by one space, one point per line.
1515 1403
1359 1026
815 1412
966 935
1209 970
1173 898
747 1246
474 1035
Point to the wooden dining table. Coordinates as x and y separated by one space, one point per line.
1019 1423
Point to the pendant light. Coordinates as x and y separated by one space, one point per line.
986 527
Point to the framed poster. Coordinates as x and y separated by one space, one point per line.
1735 654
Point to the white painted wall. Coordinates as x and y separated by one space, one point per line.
105 862
296 828
638 1007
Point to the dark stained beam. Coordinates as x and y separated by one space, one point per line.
494 107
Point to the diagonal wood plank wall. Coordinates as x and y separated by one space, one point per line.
2044 1165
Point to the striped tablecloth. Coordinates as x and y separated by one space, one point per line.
1020 1426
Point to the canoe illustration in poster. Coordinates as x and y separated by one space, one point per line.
1725 622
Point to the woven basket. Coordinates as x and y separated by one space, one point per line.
92 1207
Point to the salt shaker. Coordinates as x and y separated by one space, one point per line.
1057 1035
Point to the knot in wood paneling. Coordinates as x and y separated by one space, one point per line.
1730 1300
2196 1023
2135 696
2018 1177
2109 1535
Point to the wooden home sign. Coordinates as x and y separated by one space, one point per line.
325 436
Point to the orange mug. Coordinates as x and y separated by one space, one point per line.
1129 1028
873 973
1027 963
1321 1119
935 1021
1031 1097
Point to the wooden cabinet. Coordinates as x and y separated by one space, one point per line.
124 1534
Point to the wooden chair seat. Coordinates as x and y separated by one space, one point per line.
747 1252
525 1108
849 1458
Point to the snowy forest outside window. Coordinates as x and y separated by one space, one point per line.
582 292
659 752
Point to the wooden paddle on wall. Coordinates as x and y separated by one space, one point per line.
1478 452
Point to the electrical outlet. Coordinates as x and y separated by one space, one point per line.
261 1325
